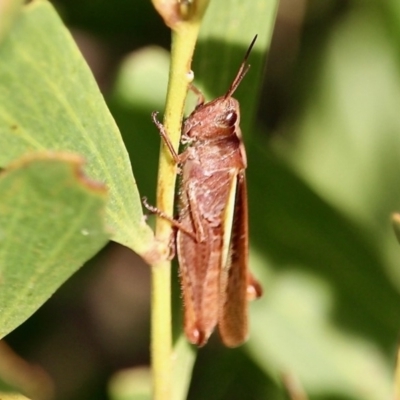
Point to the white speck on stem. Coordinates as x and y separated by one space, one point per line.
84 232
190 76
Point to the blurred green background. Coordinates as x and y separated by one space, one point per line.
323 177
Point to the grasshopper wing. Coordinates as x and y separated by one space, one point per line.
233 307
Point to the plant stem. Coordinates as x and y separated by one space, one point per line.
184 36
161 335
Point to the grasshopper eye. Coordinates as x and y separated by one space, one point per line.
230 118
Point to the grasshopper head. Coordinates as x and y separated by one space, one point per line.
218 118
213 120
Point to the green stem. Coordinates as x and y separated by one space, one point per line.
161 335
184 36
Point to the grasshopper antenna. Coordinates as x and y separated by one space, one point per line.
242 71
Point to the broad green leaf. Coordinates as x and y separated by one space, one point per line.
51 222
50 101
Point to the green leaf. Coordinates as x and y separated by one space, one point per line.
50 101
51 222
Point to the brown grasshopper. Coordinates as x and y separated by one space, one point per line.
212 227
